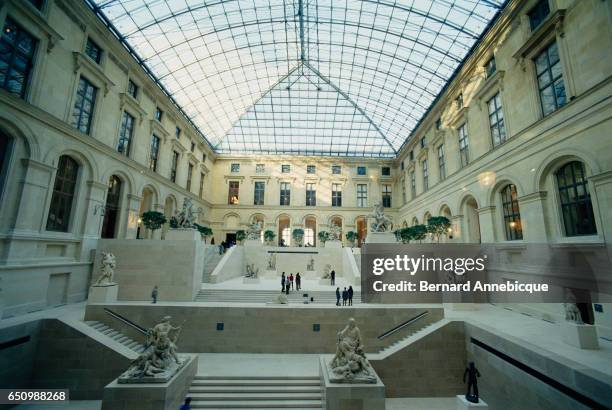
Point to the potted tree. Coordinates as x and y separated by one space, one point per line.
323 236
352 237
438 226
269 237
418 232
298 236
205 231
240 236
153 220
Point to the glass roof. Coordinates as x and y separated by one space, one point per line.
327 77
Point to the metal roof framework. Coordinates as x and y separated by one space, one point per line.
304 77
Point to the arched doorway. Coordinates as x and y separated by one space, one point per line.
284 231
113 208
361 223
310 231
146 204
472 223
337 221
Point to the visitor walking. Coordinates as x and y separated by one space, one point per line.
222 248
287 287
154 294
344 296
291 280
187 404
350 296
298 281
283 282
337 296
333 277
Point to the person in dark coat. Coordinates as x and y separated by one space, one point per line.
344 297
298 281
287 286
337 296
350 296
333 277
154 294
291 280
283 282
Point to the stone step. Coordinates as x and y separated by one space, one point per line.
262 404
257 377
116 336
257 389
255 382
255 396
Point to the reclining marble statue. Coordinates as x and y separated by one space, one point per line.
381 223
159 361
107 270
350 364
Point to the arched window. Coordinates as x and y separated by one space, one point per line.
5 144
512 215
112 208
63 194
576 207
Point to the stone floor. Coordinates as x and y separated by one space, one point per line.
275 284
421 403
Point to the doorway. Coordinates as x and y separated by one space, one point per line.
230 239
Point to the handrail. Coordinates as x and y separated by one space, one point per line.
126 321
403 325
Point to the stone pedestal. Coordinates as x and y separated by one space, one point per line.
463 404
103 293
326 282
252 243
333 244
580 336
151 396
250 280
381 237
345 396
183 235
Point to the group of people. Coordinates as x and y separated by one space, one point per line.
347 296
288 281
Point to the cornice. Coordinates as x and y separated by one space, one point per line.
127 100
83 62
539 38
26 8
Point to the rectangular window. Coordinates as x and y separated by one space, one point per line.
260 168
177 133
311 195
235 168
538 14
425 176
285 194
413 185
233 193
154 153
441 162
258 195
490 67
386 196
189 176
385 171
411 155
82 115
402 165
17 48
132 89
361 170
158 113
311 169
496 120
362 195
93 50
285 168
423 142
550 79
174 166
464 146
201 190
336 169
125 134
336 195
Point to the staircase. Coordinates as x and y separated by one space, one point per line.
408 339
268 296
116 335
260 392
211 260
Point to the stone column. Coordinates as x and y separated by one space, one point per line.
133 208
457 227
94 215
531 207
602 185
486 219
35 186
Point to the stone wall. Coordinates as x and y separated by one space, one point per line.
271 329
430 367
174 266
17 362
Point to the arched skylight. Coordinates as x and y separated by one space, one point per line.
328 77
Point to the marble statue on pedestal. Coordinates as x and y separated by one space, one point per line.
251 271
381 223
185 218
350 364
572 313
159 361
335 233
311 265
272 261
254 231
327 272
107 270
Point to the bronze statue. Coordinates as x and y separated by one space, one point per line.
472 374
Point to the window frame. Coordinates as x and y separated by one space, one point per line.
511 213
233 191
92 45
311 194
190 168
259 195
174 166
362 170
28 73
499 109
464 145
362 195
387 196
122 137
68 206
552 84
425 171
154 159
336 198
81 105
285 194
561 203
441 162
